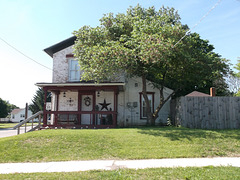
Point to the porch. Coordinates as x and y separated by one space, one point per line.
81 105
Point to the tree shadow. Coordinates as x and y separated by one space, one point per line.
176 134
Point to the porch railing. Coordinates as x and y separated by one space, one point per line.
83 118
24 122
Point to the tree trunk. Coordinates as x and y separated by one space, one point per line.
151 117
162 102
144 93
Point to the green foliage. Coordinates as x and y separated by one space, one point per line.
142 42
131 42
237 94
5 108
237 67
38 101
233 80
237 75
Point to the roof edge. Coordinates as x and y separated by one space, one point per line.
61 45
79 84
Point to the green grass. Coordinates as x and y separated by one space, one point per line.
7 125
132 143
217 173
11 125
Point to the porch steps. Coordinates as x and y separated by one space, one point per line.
38 114
35 128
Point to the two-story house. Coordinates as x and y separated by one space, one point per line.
78 104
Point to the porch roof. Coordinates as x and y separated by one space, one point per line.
120 85
80 84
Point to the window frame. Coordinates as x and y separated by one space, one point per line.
77 73
141 99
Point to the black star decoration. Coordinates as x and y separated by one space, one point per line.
104 105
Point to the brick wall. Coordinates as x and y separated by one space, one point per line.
60 65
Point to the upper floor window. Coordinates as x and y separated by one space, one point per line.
74 70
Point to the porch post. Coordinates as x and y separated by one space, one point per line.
57 104
115 107
94 104
79 107
44 108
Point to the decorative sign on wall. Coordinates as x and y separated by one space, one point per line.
87 101
70 101
48 106
104 105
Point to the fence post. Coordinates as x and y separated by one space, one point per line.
26 114
39 120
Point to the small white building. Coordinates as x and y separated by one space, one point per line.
18 115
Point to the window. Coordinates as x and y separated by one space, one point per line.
143 108
74 70
22 115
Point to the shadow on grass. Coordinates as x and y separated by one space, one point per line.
176 134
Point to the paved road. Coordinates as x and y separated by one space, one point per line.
12 132
71 166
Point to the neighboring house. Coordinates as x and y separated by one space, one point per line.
18 115
200 94
77 104
197 94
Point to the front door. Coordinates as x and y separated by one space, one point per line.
86 109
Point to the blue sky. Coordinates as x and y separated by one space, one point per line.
33 25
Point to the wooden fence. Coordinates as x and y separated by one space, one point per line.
206 112
4 120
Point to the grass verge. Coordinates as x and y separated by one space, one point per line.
132 143
7 125
217 173
11 125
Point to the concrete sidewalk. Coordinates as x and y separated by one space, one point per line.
71 166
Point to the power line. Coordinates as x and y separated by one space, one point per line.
173 46
198 22
25 54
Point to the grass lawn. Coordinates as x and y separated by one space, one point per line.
11 125
217 173
129 143
7 125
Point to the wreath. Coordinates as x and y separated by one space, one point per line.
87 101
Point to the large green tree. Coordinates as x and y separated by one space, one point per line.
145 43
5 108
